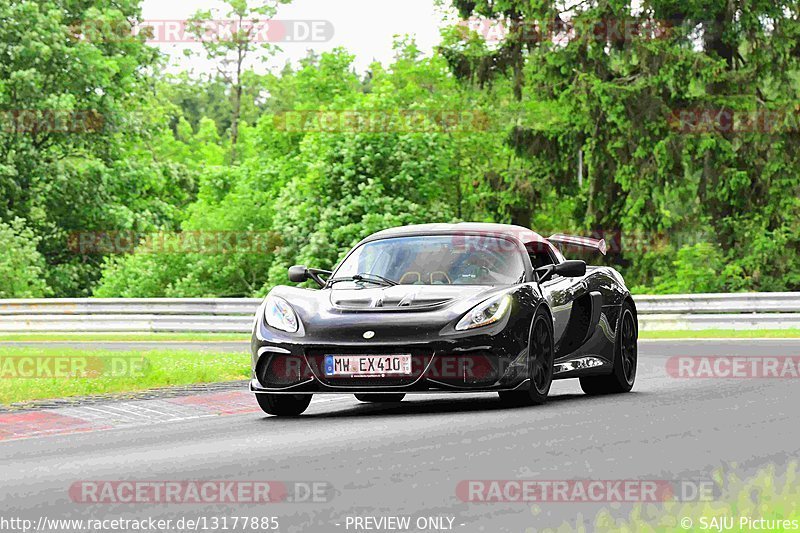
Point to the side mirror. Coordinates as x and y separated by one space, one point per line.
299 274
571 269
568 269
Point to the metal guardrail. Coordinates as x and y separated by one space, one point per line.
128 315
736 303
235 315
765 310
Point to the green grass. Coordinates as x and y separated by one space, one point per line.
154 369
723 334
770 494
132 337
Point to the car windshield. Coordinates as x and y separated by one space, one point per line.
437 260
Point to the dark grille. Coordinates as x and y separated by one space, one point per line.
282 370
477 369
419 362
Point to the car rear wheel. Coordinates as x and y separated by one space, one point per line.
626 357
283 404
380 398
540 365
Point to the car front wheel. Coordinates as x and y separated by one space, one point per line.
283 404
540 365
626 358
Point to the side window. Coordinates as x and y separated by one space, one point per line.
540 255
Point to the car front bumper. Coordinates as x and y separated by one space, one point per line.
470 364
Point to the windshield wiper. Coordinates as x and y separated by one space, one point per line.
369 278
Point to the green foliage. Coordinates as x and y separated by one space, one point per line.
696 268
369 183
299 165
70 93
312 194
731 196
141 275
21 264
231 52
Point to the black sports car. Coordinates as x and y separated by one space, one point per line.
446 307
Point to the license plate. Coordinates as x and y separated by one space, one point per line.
366 366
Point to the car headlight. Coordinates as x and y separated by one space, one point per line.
486 313
280 315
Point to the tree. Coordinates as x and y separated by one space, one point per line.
618 74
231 50
73 79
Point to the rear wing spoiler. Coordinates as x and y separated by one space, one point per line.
580 242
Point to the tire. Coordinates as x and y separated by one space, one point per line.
284 404
380 398
626 358
540 366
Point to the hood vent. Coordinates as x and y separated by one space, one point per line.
407 300
400 297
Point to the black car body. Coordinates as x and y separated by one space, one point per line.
427 330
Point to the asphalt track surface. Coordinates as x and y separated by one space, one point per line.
407 459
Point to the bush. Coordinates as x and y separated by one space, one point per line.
696 269
22 267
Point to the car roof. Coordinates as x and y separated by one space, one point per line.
519 233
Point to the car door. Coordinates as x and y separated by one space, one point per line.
560 292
